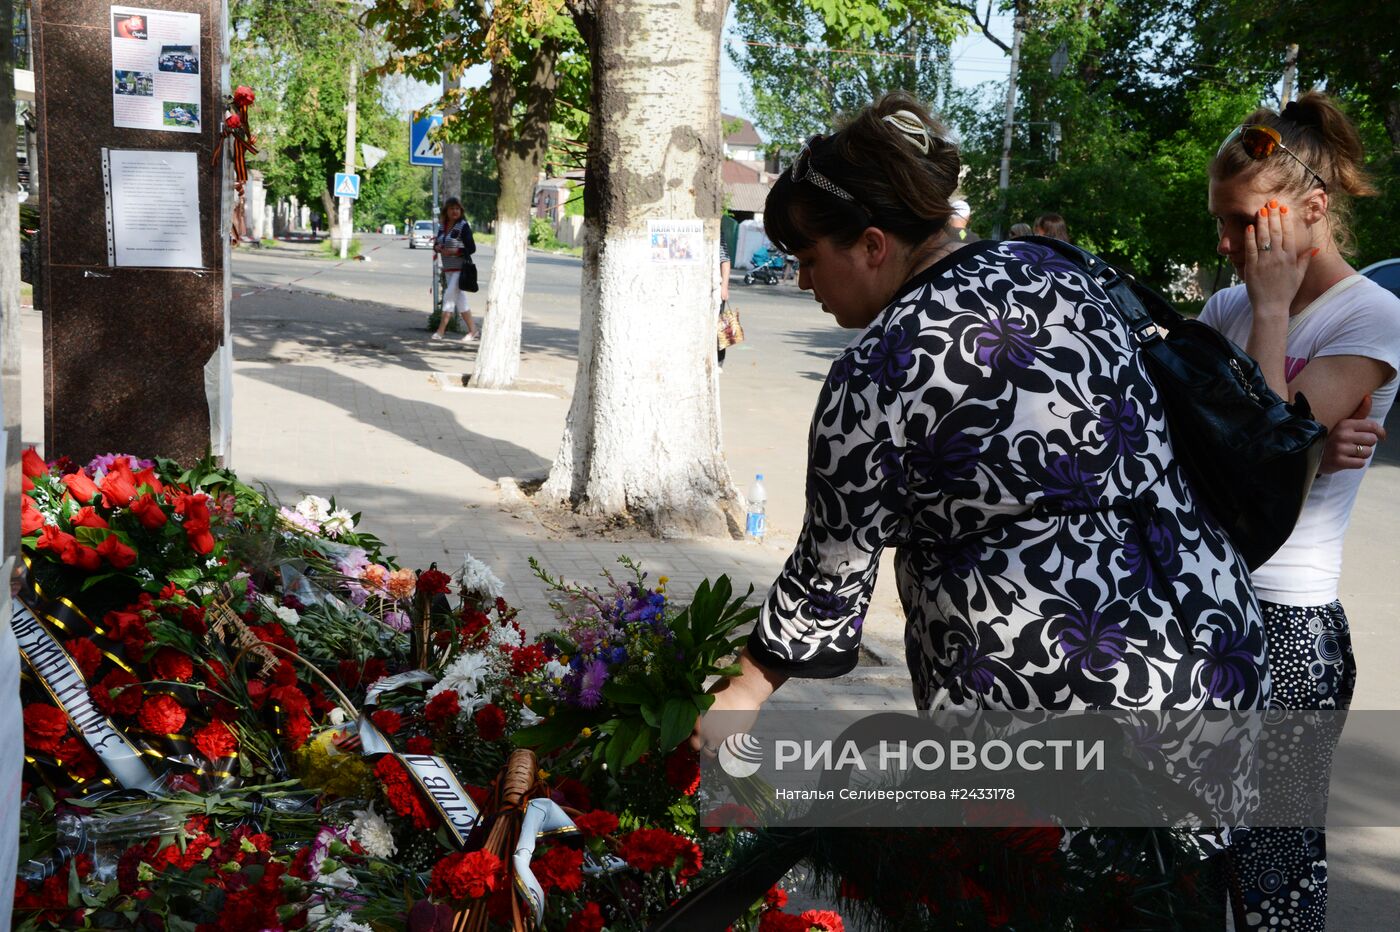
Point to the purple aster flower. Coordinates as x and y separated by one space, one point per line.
1005 344
590 688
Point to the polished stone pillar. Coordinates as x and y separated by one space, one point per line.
128 352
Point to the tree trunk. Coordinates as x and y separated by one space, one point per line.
331 213
520 151
643 434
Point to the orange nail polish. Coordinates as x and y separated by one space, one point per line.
1316 250
1264 212
1283 209
1273 203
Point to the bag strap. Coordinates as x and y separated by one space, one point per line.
1124 292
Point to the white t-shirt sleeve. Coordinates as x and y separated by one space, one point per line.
1369 328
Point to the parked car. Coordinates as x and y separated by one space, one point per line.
389 230
1385 273
422 235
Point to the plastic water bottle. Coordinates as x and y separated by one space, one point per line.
757 522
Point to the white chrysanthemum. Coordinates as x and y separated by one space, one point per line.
373 833
507 636
314 508
477 577
288 616
343 923
338 522
465 675
340 879
554 670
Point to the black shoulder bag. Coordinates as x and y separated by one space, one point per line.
1250 456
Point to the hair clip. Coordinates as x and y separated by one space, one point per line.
912 127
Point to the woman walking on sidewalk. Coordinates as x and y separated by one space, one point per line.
1280 190
454 246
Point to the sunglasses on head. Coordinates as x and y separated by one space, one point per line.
802 170
1259 142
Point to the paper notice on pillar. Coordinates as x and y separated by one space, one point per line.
155 69
152 208
676 241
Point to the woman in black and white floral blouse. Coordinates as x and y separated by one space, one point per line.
991 423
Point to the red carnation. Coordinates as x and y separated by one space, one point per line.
77 757
116 553
596 823
161 715
823 920
649 849
588 919
32 464
442 707
87 516
559 868
215 741
171 664
683 770
243 96
775 898
117 693
118 485
148 511
774 920
192 620
85 654
527 660
420 744
490 722
465 876
399 790
44 727
81 487
387 721
433 582
233 121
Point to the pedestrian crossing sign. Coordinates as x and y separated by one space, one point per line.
422 149
347 185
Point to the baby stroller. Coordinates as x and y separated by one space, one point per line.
767 267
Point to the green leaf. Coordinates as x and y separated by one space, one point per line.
94 580
651 714
644 741
677 722
553 733
629 693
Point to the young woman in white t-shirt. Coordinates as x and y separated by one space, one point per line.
1280 191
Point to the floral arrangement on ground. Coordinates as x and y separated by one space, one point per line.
242 717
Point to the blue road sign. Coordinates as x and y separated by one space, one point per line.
421 149
347 185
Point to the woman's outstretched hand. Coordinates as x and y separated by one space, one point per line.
738 698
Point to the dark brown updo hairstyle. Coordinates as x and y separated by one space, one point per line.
898 188
1320 135
1053 226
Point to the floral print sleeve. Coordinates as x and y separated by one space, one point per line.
810 623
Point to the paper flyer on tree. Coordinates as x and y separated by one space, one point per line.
676 240
152 208
155 69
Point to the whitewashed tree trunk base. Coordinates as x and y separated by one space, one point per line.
643 439
498 360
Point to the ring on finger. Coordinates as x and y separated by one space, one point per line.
1265 247
1360 450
